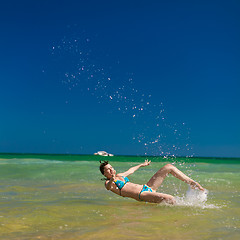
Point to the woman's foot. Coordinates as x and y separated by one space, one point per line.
196 185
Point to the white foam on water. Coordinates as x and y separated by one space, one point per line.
195 198
194 195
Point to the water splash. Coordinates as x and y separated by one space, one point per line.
195 198
82 65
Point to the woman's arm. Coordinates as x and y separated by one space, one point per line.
133 169
109 182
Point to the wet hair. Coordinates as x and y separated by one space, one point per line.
102 165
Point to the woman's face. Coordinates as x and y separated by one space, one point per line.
109 170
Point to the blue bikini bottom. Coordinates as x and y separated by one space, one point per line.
145 189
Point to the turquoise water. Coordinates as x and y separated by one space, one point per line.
63 197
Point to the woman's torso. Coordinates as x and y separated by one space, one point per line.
129 189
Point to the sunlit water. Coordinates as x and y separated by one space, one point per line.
55 199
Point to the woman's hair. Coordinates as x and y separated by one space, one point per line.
102 165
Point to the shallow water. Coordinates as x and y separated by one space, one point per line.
53 199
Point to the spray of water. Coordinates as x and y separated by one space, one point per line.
195 198
80 67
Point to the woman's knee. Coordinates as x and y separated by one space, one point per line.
168 166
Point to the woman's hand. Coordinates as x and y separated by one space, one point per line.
146 163
109 182
112 179
113 175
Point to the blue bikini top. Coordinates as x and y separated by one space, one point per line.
120 184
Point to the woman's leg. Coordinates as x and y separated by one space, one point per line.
155 197
161 174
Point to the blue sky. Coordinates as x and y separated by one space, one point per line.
177 62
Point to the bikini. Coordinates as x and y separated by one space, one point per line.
145 189
120 184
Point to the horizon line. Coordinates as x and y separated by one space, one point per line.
117 155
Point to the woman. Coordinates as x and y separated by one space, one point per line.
120 184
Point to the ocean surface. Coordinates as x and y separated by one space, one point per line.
63 197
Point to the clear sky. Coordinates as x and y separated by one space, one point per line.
128 77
